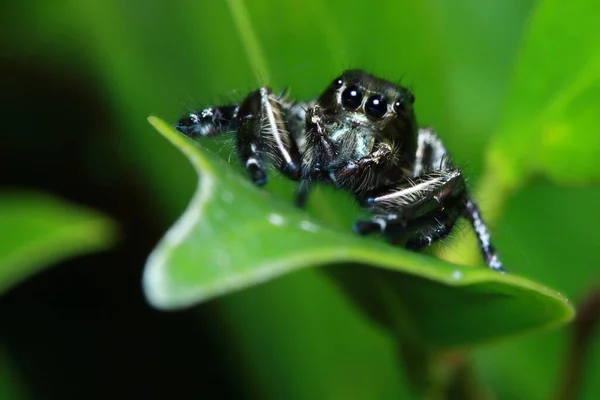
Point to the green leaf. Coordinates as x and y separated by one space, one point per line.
38 231
234 235
552 123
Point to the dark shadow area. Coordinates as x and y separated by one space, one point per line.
82 329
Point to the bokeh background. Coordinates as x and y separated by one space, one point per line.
79 79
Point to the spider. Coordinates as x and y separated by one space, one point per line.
359 135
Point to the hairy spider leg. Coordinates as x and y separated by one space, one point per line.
209 122
424 208
431 155
439 197
302 194
262 133
473 215
440 226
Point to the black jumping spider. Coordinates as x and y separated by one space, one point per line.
360 135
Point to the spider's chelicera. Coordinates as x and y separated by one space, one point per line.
360 135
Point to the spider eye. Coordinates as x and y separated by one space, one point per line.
376 106
351 97
399 106
337 82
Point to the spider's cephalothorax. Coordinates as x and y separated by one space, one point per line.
360 135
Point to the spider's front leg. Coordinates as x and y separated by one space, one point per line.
211 121
262 133
426 207
431 154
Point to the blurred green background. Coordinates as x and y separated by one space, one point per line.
79 80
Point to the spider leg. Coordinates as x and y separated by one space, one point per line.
430 236
262 132
424 209
220 120
439 225
473 215
431 154
302 194
209 122
432 157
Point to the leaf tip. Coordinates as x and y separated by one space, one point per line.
155 283
158 124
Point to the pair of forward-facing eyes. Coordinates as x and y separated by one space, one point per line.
375 106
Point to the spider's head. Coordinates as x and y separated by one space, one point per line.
361 99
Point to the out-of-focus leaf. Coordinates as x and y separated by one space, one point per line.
38 230
234 235
552 123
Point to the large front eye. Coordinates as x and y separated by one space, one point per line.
376 106
351 97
